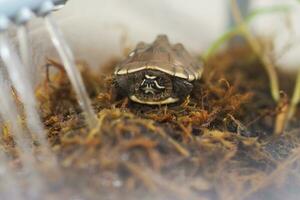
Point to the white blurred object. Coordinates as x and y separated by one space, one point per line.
276 26
95 28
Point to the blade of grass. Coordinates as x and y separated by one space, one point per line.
267 10
220 41
236 30
296 95
254 44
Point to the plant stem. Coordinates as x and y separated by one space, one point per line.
254 44
296 97
236 30
221 40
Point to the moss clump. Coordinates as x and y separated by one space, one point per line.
218 144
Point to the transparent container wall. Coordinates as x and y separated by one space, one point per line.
95 29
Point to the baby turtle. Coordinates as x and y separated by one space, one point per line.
157 73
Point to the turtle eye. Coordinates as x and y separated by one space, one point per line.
132 53
160 81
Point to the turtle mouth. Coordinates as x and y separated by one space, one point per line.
153 87
149 102
150 85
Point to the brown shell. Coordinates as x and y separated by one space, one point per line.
162 56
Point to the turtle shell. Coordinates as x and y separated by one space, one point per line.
162 56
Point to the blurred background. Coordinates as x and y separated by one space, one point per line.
99 30
95 29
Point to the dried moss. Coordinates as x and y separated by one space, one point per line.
218 144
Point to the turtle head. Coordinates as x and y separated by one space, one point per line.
152 87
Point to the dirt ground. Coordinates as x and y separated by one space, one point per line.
218 144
